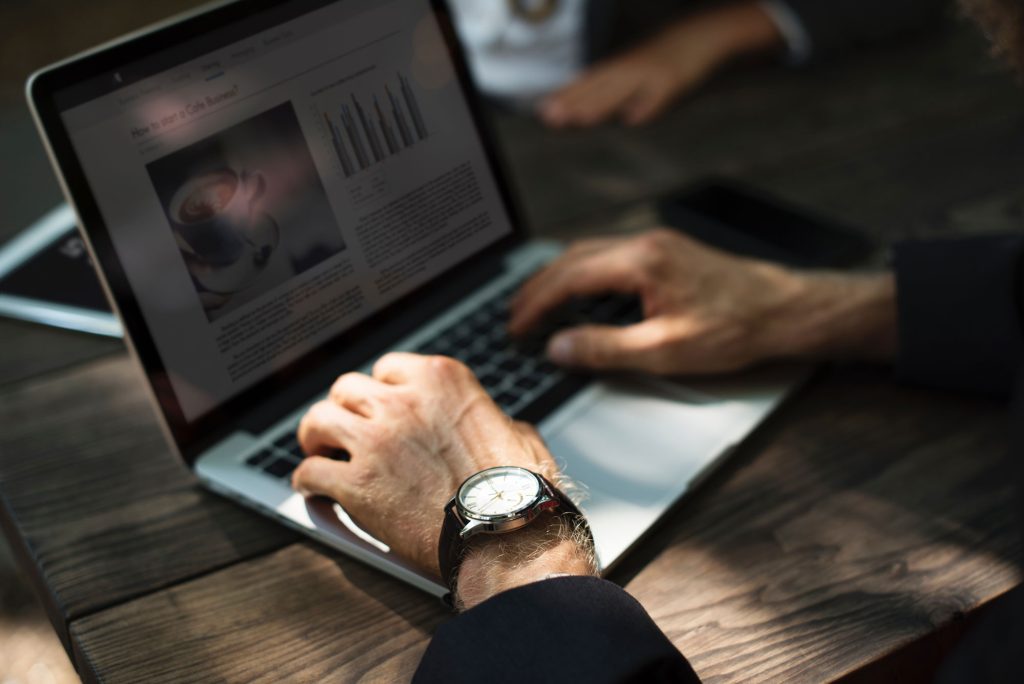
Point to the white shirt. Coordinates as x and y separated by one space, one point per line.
521 61
516 59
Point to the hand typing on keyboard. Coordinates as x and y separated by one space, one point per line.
705 311
515 372
415 431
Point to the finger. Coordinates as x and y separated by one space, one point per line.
595 97
555 109
598 104
357 392
646 105
612 271
637 347
577 250
318 476
398 368
540 281
327 428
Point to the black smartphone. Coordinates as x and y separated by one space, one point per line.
744 221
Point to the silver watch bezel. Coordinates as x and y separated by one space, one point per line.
507 522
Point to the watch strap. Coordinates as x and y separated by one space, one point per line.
452 547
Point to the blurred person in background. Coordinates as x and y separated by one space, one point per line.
585 62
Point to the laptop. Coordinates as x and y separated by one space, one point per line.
275 193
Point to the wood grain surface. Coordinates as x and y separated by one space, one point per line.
95 502
866 515
861 517
301 614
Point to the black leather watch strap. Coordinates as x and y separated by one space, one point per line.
451 546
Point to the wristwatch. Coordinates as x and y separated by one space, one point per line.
495 501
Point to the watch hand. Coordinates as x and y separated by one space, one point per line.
487 503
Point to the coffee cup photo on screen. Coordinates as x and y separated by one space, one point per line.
247 209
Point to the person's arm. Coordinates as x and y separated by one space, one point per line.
960 312
949 315
415 430
533 598
569 629
707 311
639 84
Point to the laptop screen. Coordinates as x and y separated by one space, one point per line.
266 190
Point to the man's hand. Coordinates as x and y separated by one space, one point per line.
706 311
640 84
415 431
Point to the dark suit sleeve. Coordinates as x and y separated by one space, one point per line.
836 25
568 629
960 312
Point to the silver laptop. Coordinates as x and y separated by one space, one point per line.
279 192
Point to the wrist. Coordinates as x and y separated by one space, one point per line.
497 563
832 315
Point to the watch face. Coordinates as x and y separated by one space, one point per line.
499 492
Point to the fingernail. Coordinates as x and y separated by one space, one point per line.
562 348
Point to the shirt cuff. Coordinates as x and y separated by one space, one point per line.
798 40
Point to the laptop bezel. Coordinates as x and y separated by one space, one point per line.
348 350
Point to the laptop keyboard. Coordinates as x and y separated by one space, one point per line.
280 459
515 373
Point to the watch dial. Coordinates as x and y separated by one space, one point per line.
499 491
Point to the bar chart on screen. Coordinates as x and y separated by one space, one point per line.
367 127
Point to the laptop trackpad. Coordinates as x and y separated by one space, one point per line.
634 446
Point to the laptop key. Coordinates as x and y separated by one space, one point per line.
491 380
510 365
257 458
477 360
506 399
287 442
280 468
528 383
547 368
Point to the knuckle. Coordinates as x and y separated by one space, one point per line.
384 361
653 249
660 238
338 388
316 415
447 367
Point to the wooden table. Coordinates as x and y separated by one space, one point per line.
853 536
